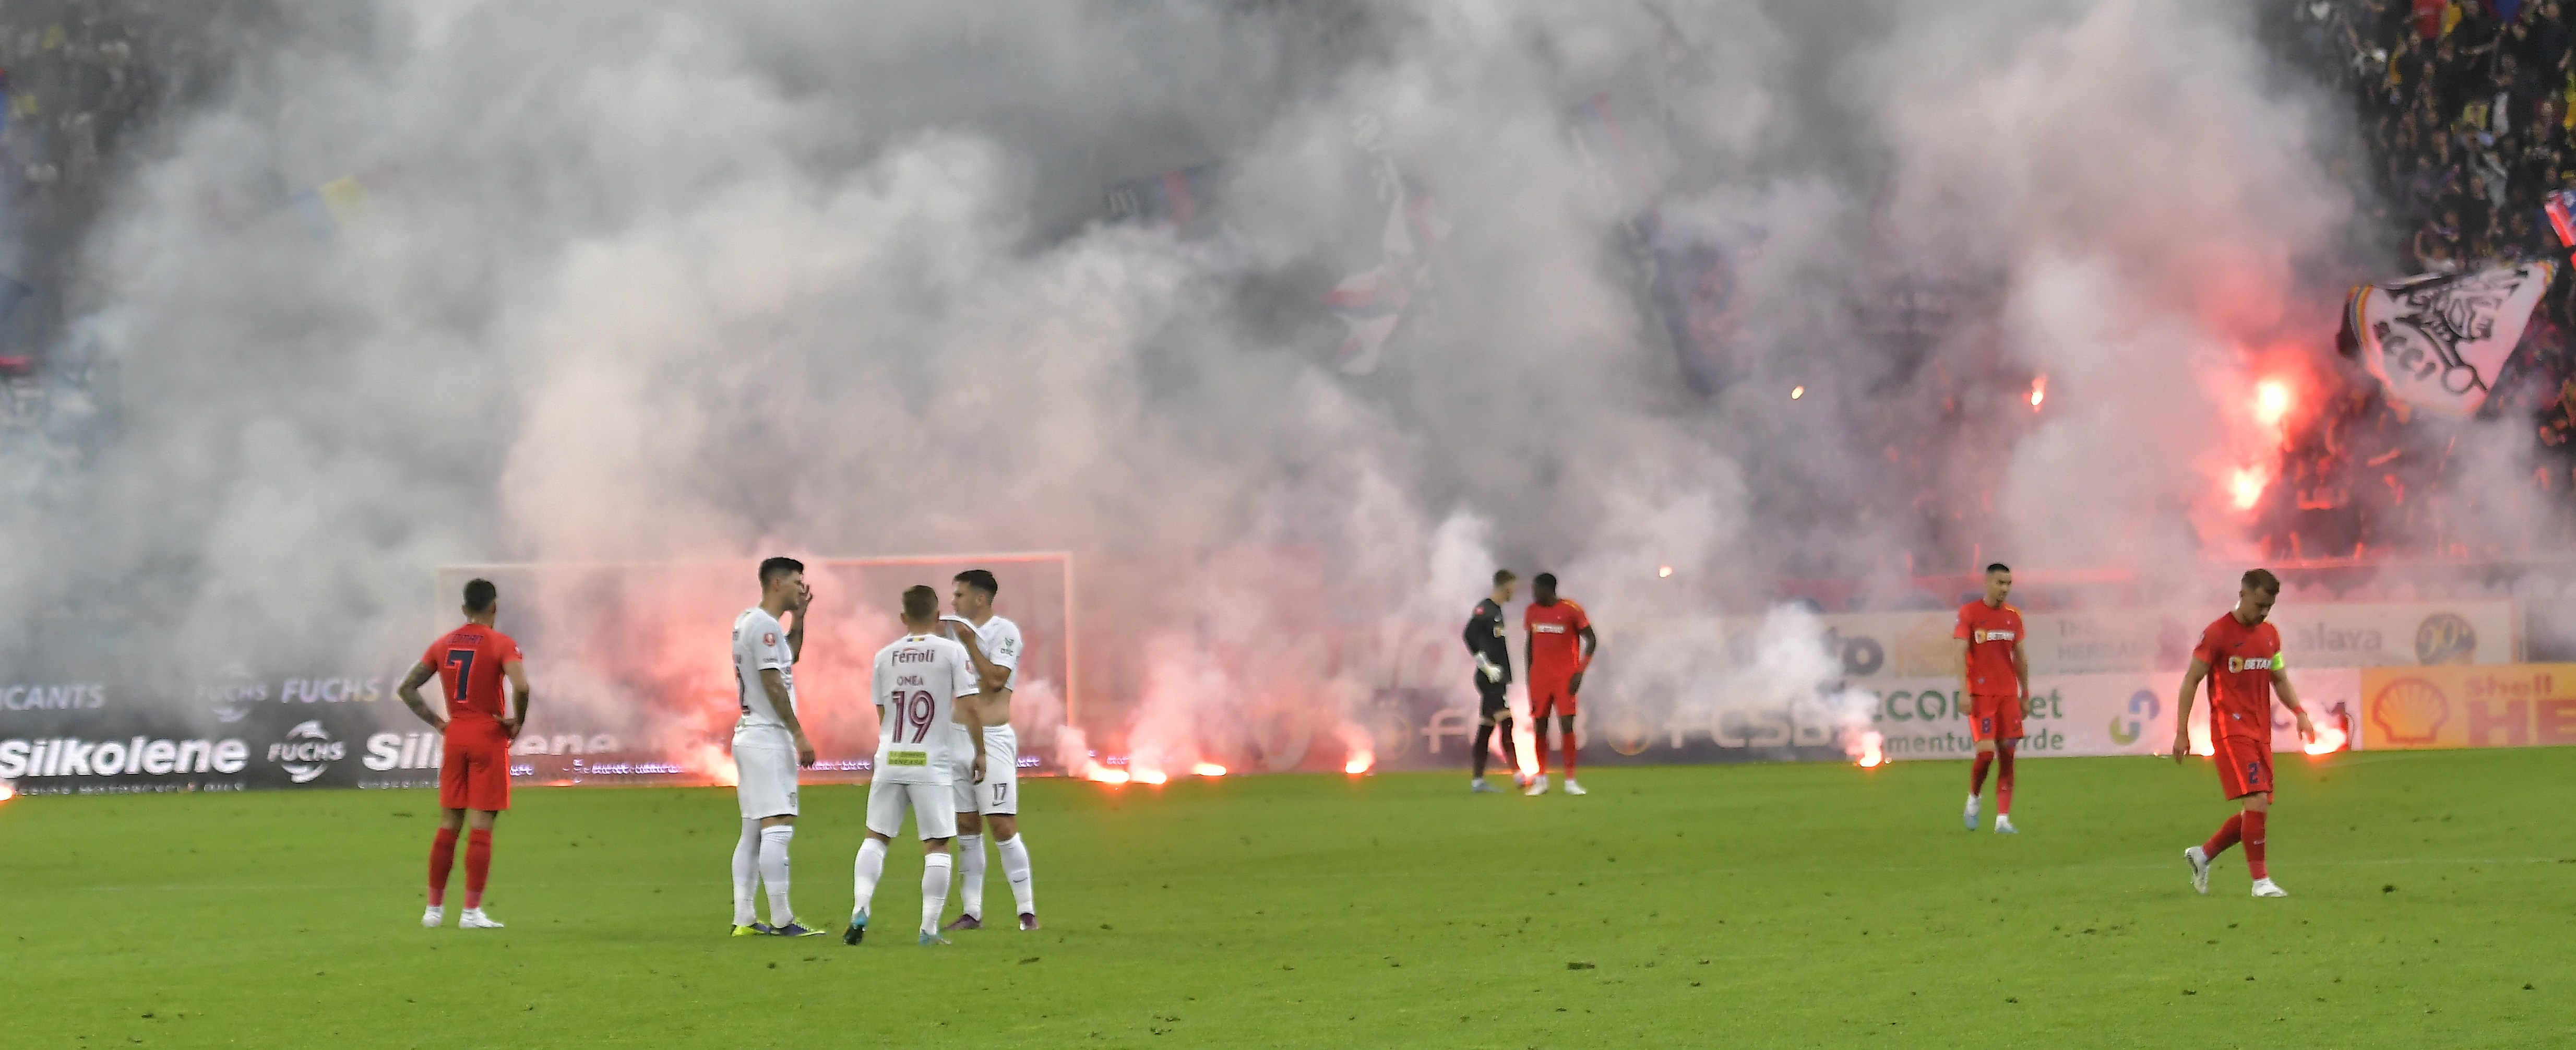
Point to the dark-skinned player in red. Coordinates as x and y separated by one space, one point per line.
477 724
1561 644
2240 654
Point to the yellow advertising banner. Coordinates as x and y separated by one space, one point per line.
2517 705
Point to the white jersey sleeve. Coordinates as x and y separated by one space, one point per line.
760 644
1001 641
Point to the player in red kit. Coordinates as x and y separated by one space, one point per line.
2240 654
1561 645
478 724
1994 679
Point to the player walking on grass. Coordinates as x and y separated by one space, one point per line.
2240 654
1995 677
996 800
768 745
916 684
1493 655
474 768
1556 662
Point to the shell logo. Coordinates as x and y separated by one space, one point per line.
2410 711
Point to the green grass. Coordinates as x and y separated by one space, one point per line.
1749 905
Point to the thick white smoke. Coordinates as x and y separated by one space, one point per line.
668 280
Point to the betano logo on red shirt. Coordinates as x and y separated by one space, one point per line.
2237 664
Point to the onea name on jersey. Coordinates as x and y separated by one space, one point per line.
916 684
2239 663
1983 635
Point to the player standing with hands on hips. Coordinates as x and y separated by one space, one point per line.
474 764
769 744
1493 654
1561 644
2240 654
1995 677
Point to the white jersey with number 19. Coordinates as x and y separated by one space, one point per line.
916 685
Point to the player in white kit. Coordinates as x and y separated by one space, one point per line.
997 799
768 745
916 684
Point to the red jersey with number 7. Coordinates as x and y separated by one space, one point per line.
469 661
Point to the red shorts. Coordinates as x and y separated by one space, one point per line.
2244 765
1994 717
1551 694
474 774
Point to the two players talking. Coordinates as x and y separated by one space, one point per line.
2239 654
1559 645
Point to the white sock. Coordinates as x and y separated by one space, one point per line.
970 874
773 871
864 874
934 890
746 869
1015 867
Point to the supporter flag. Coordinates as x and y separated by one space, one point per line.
2439 342
2562 215
1177 197
1372 301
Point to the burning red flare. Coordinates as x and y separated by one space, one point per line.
8 790
1208 769
1359 763
2271 402
1149 776
2038 391
2330 739
2245 487
1797 392
1873 751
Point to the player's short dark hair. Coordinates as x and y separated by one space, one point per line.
1544 579
1503 576
774 568
2263 580
479 594
1997 567
980 579
919 601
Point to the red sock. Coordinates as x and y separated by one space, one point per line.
2003 781
1538 743
1569 755
2227 835
2254 845
1977 772
442 858
478 866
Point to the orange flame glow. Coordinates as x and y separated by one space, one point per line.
1093 771
1797 392
1664 571
8 790
2271 402
2330 739
711 763
1148 776
1207 769
2245 487
1873 751
2038 391
1359 763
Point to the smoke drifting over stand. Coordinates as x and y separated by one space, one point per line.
687 281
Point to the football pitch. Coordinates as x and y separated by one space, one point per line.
1778 905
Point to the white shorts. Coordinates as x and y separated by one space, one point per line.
766 784
887 801
999 794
